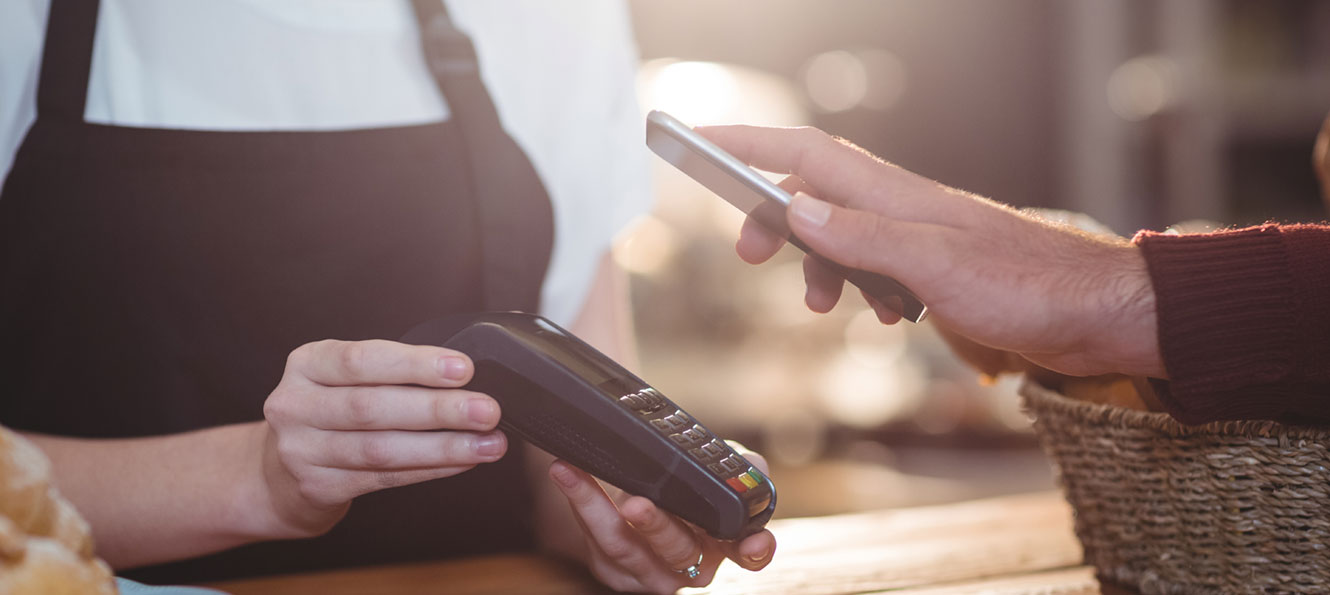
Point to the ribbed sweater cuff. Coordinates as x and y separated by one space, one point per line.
1228 320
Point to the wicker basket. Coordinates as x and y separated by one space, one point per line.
1235 507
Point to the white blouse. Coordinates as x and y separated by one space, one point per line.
561 75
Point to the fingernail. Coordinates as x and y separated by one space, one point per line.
564 476
481 410
452 367
490 445
811 210
758 557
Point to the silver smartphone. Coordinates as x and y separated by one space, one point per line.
763 201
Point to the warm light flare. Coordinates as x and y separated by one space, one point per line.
647 248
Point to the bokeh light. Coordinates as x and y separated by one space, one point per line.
702 93
861 396
835 81
1143 87
647 248
696 92
840 80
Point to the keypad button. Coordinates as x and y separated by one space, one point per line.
695 434
731 464
698 454
712 449
677 420
680 440
736 485
662 425
716 468
633 401
652 401
748 480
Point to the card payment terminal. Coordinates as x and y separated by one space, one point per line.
572 401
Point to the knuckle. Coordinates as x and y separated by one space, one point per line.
275 409
811 134
809 140
361 406
652 522
617 549
289 451
874 230
285 406
447 411
581 495
316 489
354 359
877 226
684 550
452 449
375 452
299 357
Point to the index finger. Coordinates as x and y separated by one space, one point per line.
844 173
377 362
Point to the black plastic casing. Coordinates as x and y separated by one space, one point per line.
572 401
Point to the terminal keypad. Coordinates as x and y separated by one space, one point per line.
718 457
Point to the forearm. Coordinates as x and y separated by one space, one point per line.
158 499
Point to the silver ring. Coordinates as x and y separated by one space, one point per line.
694 570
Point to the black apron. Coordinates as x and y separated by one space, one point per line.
155 280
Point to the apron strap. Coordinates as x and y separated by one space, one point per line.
501 174
62 90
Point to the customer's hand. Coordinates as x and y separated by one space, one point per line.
1059 297
635 546
350 418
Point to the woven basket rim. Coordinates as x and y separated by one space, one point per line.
1095 413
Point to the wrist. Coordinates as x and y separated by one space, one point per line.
271 504
1126 338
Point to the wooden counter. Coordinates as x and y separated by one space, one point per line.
1010 545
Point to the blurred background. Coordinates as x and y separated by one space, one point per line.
1140 113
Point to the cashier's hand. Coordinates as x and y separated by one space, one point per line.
350 418
634 546
1061 298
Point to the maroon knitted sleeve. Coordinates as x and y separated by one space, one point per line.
1244 322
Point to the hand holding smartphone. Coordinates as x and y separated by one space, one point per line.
763 201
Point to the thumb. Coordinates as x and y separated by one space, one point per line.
856 239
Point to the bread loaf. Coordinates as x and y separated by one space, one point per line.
45 546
